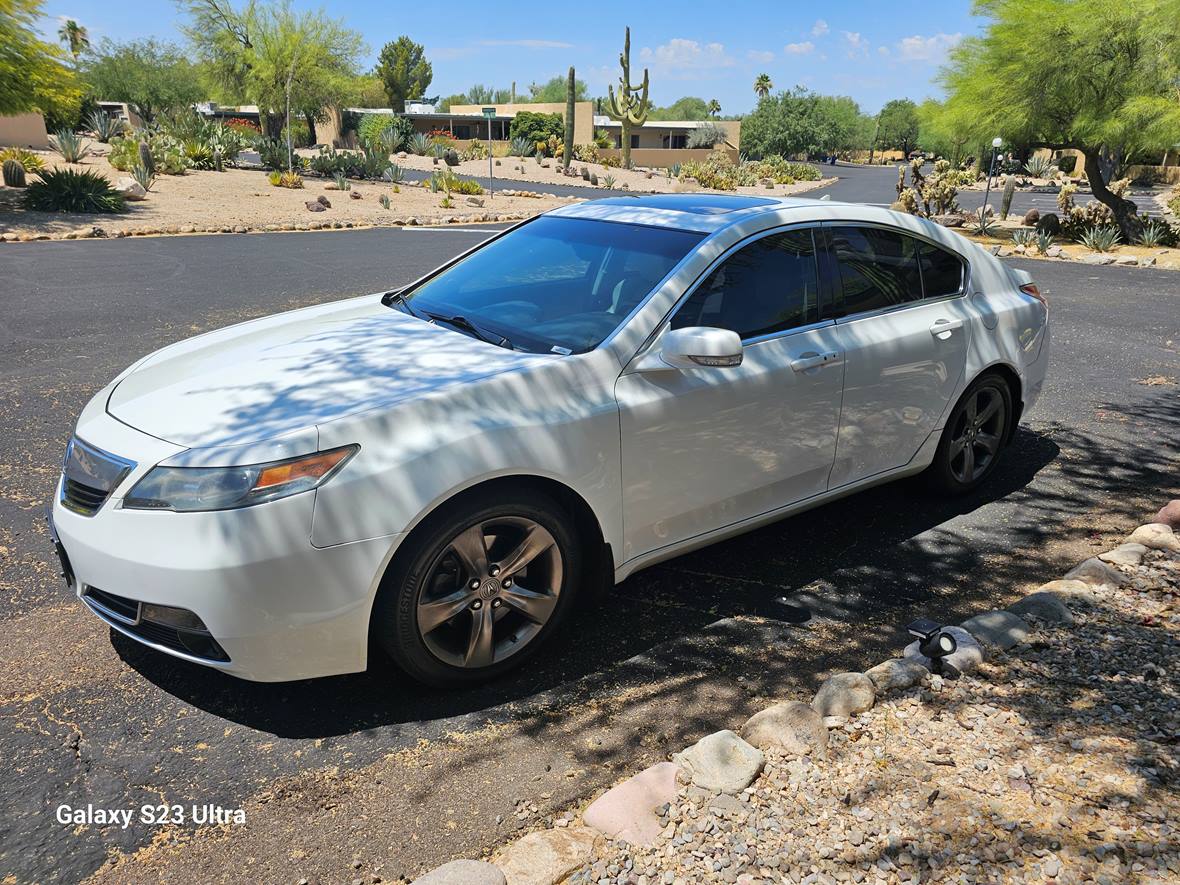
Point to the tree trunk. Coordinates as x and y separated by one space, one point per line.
1122 208
311 133
626 124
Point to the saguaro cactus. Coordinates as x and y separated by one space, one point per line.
1006 200
630 106
567 151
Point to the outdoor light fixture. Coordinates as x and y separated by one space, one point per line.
991 170
933 641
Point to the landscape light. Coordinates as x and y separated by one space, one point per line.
933 641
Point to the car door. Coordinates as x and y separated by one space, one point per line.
707 447
903 328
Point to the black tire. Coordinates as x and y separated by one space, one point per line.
431 576
964 436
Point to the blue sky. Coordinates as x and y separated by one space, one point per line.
849 47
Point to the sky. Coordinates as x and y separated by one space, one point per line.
867 50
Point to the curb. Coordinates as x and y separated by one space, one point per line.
723 765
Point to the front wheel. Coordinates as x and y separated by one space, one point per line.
486 583
975 433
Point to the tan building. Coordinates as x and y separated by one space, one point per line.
24 130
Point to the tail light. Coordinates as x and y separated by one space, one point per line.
1031 289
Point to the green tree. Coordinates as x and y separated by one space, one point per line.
762 85
687 108
898 125
942 133
841 125
787 124
74 37
553 90
32 74
149 75
1102 78
403 67
713 109
366 91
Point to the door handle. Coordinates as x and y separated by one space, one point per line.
814 361
943 329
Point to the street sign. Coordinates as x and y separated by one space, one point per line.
489 112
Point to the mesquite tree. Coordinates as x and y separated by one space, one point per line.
630 106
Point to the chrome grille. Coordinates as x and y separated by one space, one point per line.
89 476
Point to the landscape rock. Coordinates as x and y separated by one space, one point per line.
792 728
354 195
1169 514
1055 252
1147 261
130 189
721 761
966 657
1044 605
545 857
1155 536
897 673
463 872
948 220
1127 261
1096 572
323 201
998 629
1124 554
1098 258
628 811
315 206
475 201
844 694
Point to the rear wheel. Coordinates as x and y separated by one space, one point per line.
487 582
975 433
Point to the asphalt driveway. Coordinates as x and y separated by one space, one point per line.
369 769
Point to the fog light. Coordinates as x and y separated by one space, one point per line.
168 616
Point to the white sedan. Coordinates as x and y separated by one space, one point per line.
444 468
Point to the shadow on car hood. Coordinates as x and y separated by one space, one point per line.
275 375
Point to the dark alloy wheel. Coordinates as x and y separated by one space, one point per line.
482 589
974 436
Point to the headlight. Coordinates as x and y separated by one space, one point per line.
187 489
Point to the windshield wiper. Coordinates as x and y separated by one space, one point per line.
398 298
461 322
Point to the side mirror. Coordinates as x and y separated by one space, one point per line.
693 348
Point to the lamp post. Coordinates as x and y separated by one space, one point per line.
996 142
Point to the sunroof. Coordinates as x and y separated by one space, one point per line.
698 204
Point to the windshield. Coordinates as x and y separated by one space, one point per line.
554 285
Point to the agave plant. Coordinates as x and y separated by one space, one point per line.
384 201
1100 239
419 144
341 182
394 174
520 147
608 182
66 190
984 225
69 145
1024 236
1154 233
30 161
143 175
1040 167
106 126
1044 241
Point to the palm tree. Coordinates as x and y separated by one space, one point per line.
762 85
75 37
713 108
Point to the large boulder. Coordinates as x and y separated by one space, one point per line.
997 629
844 695
463 872
1095 572
546 857
1169 514
721 761
130 189
1045 606
629 811
1155 536
1124 554
793 728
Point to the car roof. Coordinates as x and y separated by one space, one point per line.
704 212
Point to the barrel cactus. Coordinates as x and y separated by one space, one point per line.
1009 192
145 157
14 173
451 158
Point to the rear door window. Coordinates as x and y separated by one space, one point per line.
942 271
878 268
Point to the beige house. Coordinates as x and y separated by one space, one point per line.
24 130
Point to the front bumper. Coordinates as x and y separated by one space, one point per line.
278 607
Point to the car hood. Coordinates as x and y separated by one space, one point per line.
269 377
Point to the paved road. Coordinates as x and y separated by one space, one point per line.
368 767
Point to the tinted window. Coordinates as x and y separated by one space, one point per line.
878 268
942 272
765 287
562 283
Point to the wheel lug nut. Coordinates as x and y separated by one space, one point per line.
496 603
476 606
495 571
507 582
475 583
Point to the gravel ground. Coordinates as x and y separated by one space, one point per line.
1056 761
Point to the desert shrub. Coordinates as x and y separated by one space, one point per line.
1024 237
982 224
166 153
608 181
1173 197
272 153
536 127
586 153
245 127
467 186
602 139
781 171
300 134
1099 239
717 172
66 190
330 162
477 150
105 126
29 161
393 173
146 177
285 179
389 130
1044 241
610 161
706 135
69 145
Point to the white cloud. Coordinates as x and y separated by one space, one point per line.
760 55
932 49
882 51
857 45
799 48
686 57
529 44
819 28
